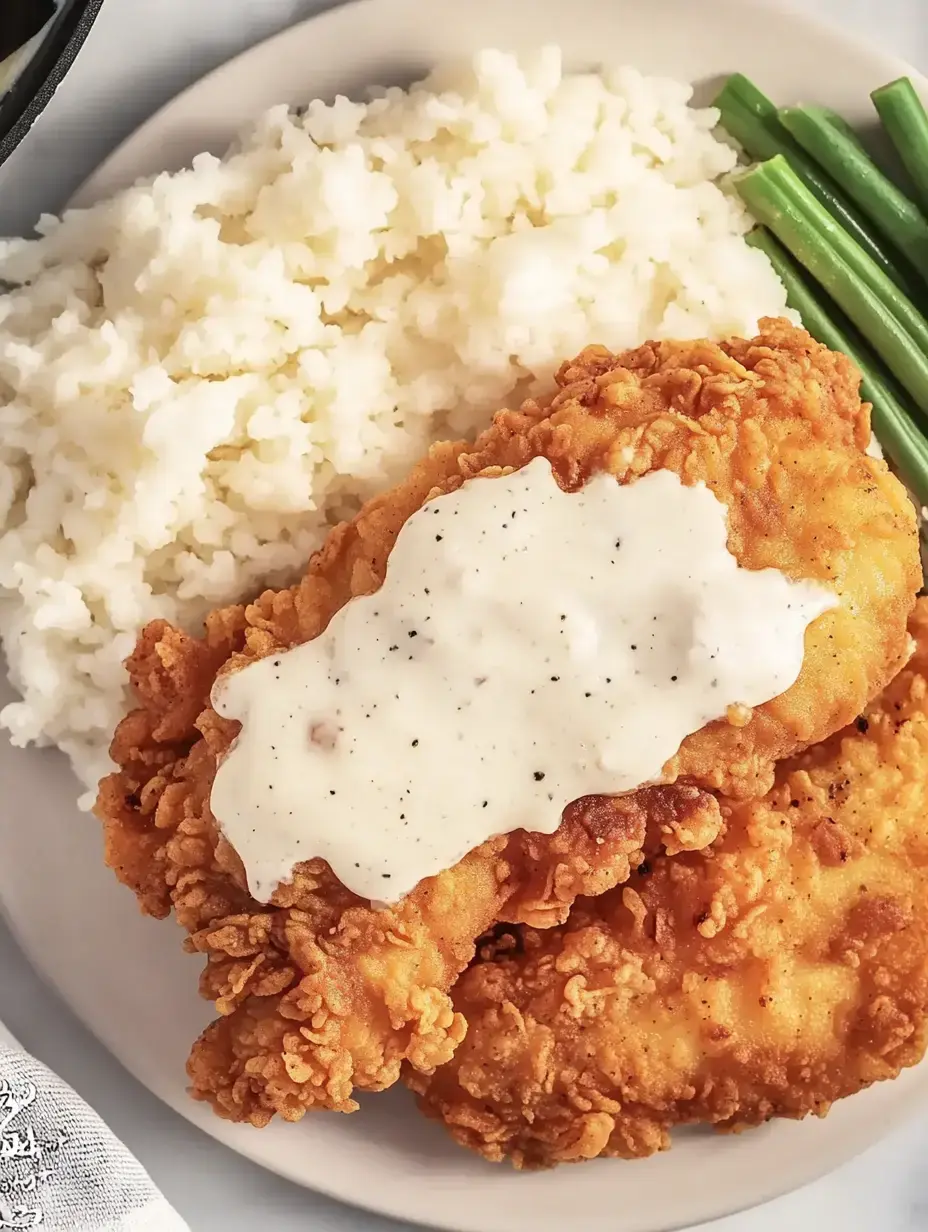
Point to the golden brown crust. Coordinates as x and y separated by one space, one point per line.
782 969
370 987
320 993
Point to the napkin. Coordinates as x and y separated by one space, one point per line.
61 1169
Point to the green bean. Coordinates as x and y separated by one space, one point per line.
751 118
904 443
895 328
906 122
826 138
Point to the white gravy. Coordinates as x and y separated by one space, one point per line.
874 448
528 646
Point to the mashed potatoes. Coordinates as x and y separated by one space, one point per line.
198 376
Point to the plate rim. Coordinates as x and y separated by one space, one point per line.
911 1100
339 10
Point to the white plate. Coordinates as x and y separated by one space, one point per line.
126 976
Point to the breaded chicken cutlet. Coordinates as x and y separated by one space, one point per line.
783 969
318 991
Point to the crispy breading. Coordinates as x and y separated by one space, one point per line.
782 969
364 989
320 992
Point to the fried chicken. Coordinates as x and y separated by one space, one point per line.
781 970
319 991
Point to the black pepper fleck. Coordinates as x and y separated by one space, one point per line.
539 775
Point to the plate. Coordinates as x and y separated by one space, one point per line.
126 976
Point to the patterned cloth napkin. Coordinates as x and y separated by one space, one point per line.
61 1169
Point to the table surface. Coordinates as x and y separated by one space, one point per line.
139 55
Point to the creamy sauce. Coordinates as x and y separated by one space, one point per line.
874 448
528 646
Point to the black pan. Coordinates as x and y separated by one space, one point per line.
37 81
